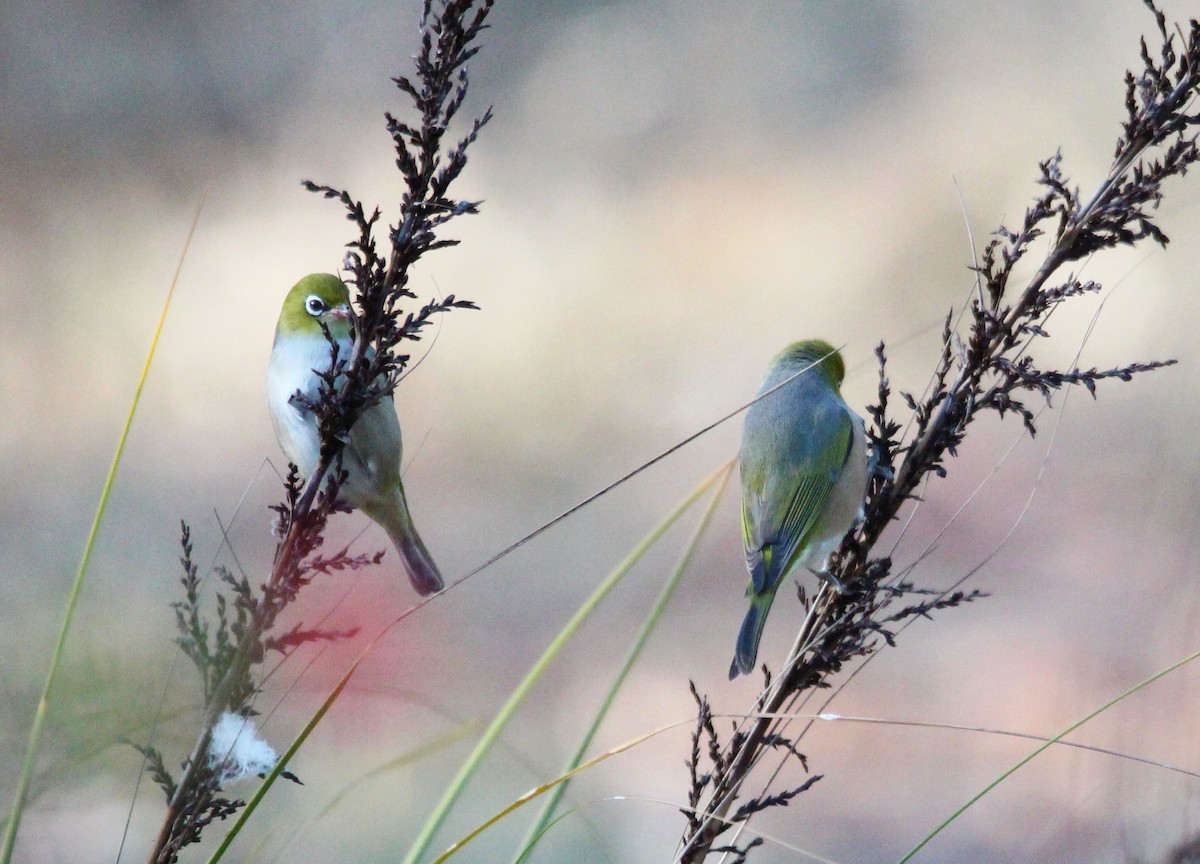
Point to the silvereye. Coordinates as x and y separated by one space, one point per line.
804 469
372 454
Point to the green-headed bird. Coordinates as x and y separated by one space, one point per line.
804 469
372 454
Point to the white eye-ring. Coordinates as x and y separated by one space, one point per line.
315 305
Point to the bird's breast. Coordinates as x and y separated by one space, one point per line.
293 361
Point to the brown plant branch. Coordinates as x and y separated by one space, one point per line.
989 370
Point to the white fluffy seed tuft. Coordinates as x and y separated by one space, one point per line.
236 751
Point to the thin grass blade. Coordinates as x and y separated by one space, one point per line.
668 591
43 707
468 769
1041 749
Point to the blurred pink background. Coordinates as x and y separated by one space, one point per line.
673 191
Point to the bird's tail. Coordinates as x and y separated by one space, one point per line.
398 524
750 634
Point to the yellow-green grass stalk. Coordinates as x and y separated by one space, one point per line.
404 760
468 769
43 707
542 789
1041 749
255 799
492 732
546 816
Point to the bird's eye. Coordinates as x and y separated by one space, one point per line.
315 305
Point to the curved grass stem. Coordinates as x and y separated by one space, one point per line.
21 795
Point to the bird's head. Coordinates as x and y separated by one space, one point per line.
823 357
320 298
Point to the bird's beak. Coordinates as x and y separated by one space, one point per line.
340 312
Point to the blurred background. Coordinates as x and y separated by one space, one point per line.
673 191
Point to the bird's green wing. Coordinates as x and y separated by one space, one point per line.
374 448
814 474
756 553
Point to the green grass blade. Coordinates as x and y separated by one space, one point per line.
546 787
463 730
1038 750
43 706
668 590
493 729
255 799
406 759
468 769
